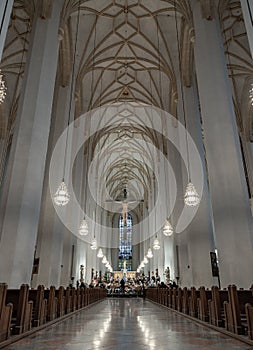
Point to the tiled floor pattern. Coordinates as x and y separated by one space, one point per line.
124 324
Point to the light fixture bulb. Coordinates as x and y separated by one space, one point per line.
61 196
100 253
84 228
156 244
94 244
145 260
167 228
149 253
191 197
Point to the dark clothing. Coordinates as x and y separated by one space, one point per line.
174 285
122 284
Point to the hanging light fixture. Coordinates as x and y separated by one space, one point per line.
84 228
167 229
94 245
149 253
104 260
61 196
156 244
3 88
100 253
191 197
142 264
145 260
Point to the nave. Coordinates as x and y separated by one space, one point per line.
120 323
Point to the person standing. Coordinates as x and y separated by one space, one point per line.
122 284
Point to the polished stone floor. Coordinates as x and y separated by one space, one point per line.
122 324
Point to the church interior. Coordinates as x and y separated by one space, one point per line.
126 174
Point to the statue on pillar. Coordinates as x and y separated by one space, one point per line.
81 273
124 268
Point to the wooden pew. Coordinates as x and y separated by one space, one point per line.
151 294
39 306
19 315
203 311
68 301
5 313
59 294
78 299
169 301
193 309
179 299
235 316
74 298
159 296
52 303
166 291
249 315
185 301
22 309
174 299
216 306
86 294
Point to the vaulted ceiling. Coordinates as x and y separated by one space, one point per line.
126 51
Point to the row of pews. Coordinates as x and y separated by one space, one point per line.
24 308
229 308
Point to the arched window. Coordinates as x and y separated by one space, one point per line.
125 242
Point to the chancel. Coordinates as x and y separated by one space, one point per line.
126 174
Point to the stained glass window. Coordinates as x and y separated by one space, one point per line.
125 242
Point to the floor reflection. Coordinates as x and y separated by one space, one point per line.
123 324
147 332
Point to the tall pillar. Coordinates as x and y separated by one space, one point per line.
5 14
51 232
28 154
200 238
51 229
231 211
247 9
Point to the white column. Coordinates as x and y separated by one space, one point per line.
247 9
231 211
51 230
20 223
200 231
5 14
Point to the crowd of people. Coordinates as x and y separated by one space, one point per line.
128 286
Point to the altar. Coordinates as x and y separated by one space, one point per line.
119 274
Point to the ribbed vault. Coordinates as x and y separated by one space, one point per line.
127 51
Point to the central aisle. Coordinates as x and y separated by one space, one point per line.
127 324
